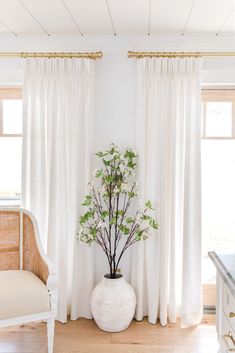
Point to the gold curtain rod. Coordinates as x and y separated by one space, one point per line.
91 55
175 54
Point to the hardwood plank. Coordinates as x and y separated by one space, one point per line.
83 336
198 349
19 347
104 348
209 294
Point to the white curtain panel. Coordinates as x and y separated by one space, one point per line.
57 99
166 269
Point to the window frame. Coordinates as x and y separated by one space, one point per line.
215 95
218 95
9 93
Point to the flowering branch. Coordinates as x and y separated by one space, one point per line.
107 220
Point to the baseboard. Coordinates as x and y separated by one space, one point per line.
209 309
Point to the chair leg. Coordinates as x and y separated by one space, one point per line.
50 334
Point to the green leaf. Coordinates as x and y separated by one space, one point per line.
99 173
138 234
84 218
146 217
148 204
109 179
119 213
93 231
100 154
87 200
112 221
131 165
129 220
125 230
153 223
131 194
104 214
107 163
129 154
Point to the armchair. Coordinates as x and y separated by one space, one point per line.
28 282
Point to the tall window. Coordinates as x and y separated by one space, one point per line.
218 175
10 144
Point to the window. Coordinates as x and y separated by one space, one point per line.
10 144
218 175
218 114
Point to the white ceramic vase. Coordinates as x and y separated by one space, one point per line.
113 303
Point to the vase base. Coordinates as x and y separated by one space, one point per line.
112 330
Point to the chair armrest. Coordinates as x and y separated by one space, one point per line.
48 275
46 269
52 285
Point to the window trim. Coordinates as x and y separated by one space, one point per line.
217 95
9 93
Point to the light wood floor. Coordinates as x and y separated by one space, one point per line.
209 294
83 336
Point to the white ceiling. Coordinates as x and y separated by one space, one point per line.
104 17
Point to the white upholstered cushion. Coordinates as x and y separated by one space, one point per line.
22 293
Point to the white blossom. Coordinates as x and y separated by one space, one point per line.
111 146
123 168
116 190
131 149
124 187
91 184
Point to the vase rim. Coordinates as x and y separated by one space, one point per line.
107 277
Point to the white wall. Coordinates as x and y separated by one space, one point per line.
115 93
